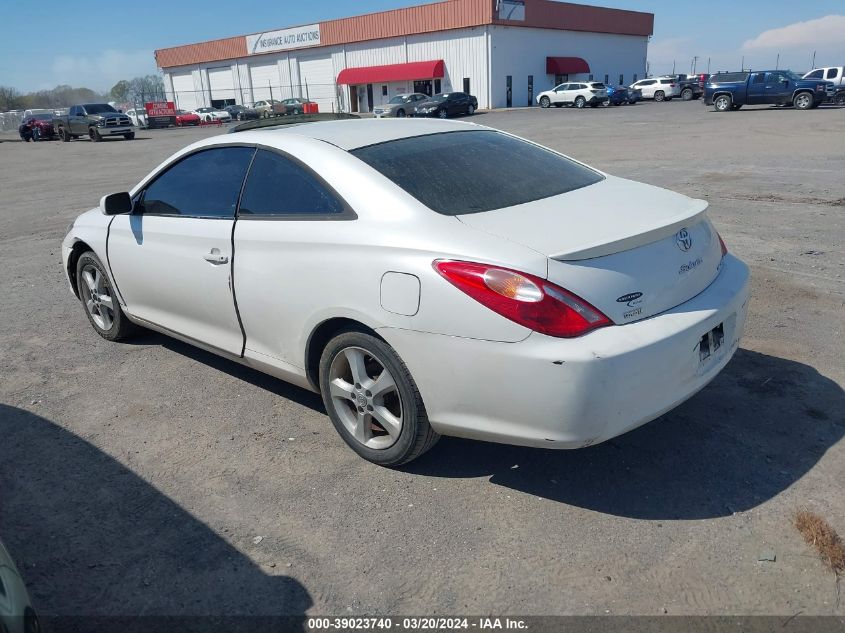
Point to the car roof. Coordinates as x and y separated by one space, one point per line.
355 133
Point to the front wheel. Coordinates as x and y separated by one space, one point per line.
580 102
803 101
400 114
443 114
373 401
99 300
470 109
839 99
722 103
659 95
94 135
545 102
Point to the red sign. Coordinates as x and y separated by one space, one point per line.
160 109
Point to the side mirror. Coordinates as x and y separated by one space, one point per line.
116 204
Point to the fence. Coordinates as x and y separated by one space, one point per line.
330 97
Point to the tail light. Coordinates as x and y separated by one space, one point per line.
671 85
524 299
722 245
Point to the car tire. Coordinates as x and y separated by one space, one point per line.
106 317
470 110
686 94
659 96
400 114
839 99
351 365
443 114
803 101
94 135
545 102
580 102
63 134
722 103
129 136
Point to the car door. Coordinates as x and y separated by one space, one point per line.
77 121
647 88
779 88
286 237
757 89
171 257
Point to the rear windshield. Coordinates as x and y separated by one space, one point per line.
456 173
98 108
722 78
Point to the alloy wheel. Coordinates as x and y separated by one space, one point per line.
97 297
366 398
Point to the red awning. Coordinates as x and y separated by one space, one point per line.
392 72
566 66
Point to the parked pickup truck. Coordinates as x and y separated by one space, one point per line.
731 91
94 120
835 75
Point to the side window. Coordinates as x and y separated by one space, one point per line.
278 186
832 73
759 78
203 185
816 74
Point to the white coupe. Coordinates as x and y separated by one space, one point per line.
427 277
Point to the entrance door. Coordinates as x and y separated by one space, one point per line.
369 97
173 253
353 98
530 90
509 93
423 87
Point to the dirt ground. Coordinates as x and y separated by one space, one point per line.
154 478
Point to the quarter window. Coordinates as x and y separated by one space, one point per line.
279 186
831 73
203 185
816 74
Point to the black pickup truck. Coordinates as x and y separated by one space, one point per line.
94 120
731 91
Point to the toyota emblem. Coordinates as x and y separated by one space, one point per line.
684 240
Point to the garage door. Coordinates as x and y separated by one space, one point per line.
222 86
263 76
316 75
183 87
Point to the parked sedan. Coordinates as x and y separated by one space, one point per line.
622 95
296 105
211 115
469 283
37 127
183 118
242 113
138 117
269 107
447 104
400 106
16 612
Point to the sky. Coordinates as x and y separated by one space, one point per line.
44 44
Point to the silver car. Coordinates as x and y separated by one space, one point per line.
399 106
16 612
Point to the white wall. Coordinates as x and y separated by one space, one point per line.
520 52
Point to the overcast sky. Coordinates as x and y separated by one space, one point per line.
44 44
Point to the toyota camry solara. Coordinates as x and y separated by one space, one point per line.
426 277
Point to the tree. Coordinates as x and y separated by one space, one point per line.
11 99
148 88
120 91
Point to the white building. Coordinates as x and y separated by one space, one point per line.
502 51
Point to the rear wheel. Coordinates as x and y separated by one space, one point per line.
803 101
659 95
373 401
722 103
580 101
545 102
99 300
686 94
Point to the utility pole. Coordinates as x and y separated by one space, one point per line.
673 66
271 94
813 65
777 63
694 63
708 65
742 63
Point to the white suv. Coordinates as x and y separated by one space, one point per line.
579 94
658 88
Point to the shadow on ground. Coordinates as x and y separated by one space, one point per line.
92 538
759 427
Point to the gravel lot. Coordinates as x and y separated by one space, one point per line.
151 477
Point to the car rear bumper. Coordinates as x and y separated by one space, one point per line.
572 393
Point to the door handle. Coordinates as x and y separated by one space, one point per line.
215 257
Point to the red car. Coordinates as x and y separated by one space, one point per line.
186 118
42 122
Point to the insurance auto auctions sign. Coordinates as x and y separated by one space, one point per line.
286 39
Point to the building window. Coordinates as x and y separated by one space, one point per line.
606 79
561 79
384 91
436 86
466 85
590 78
635 76
621 80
